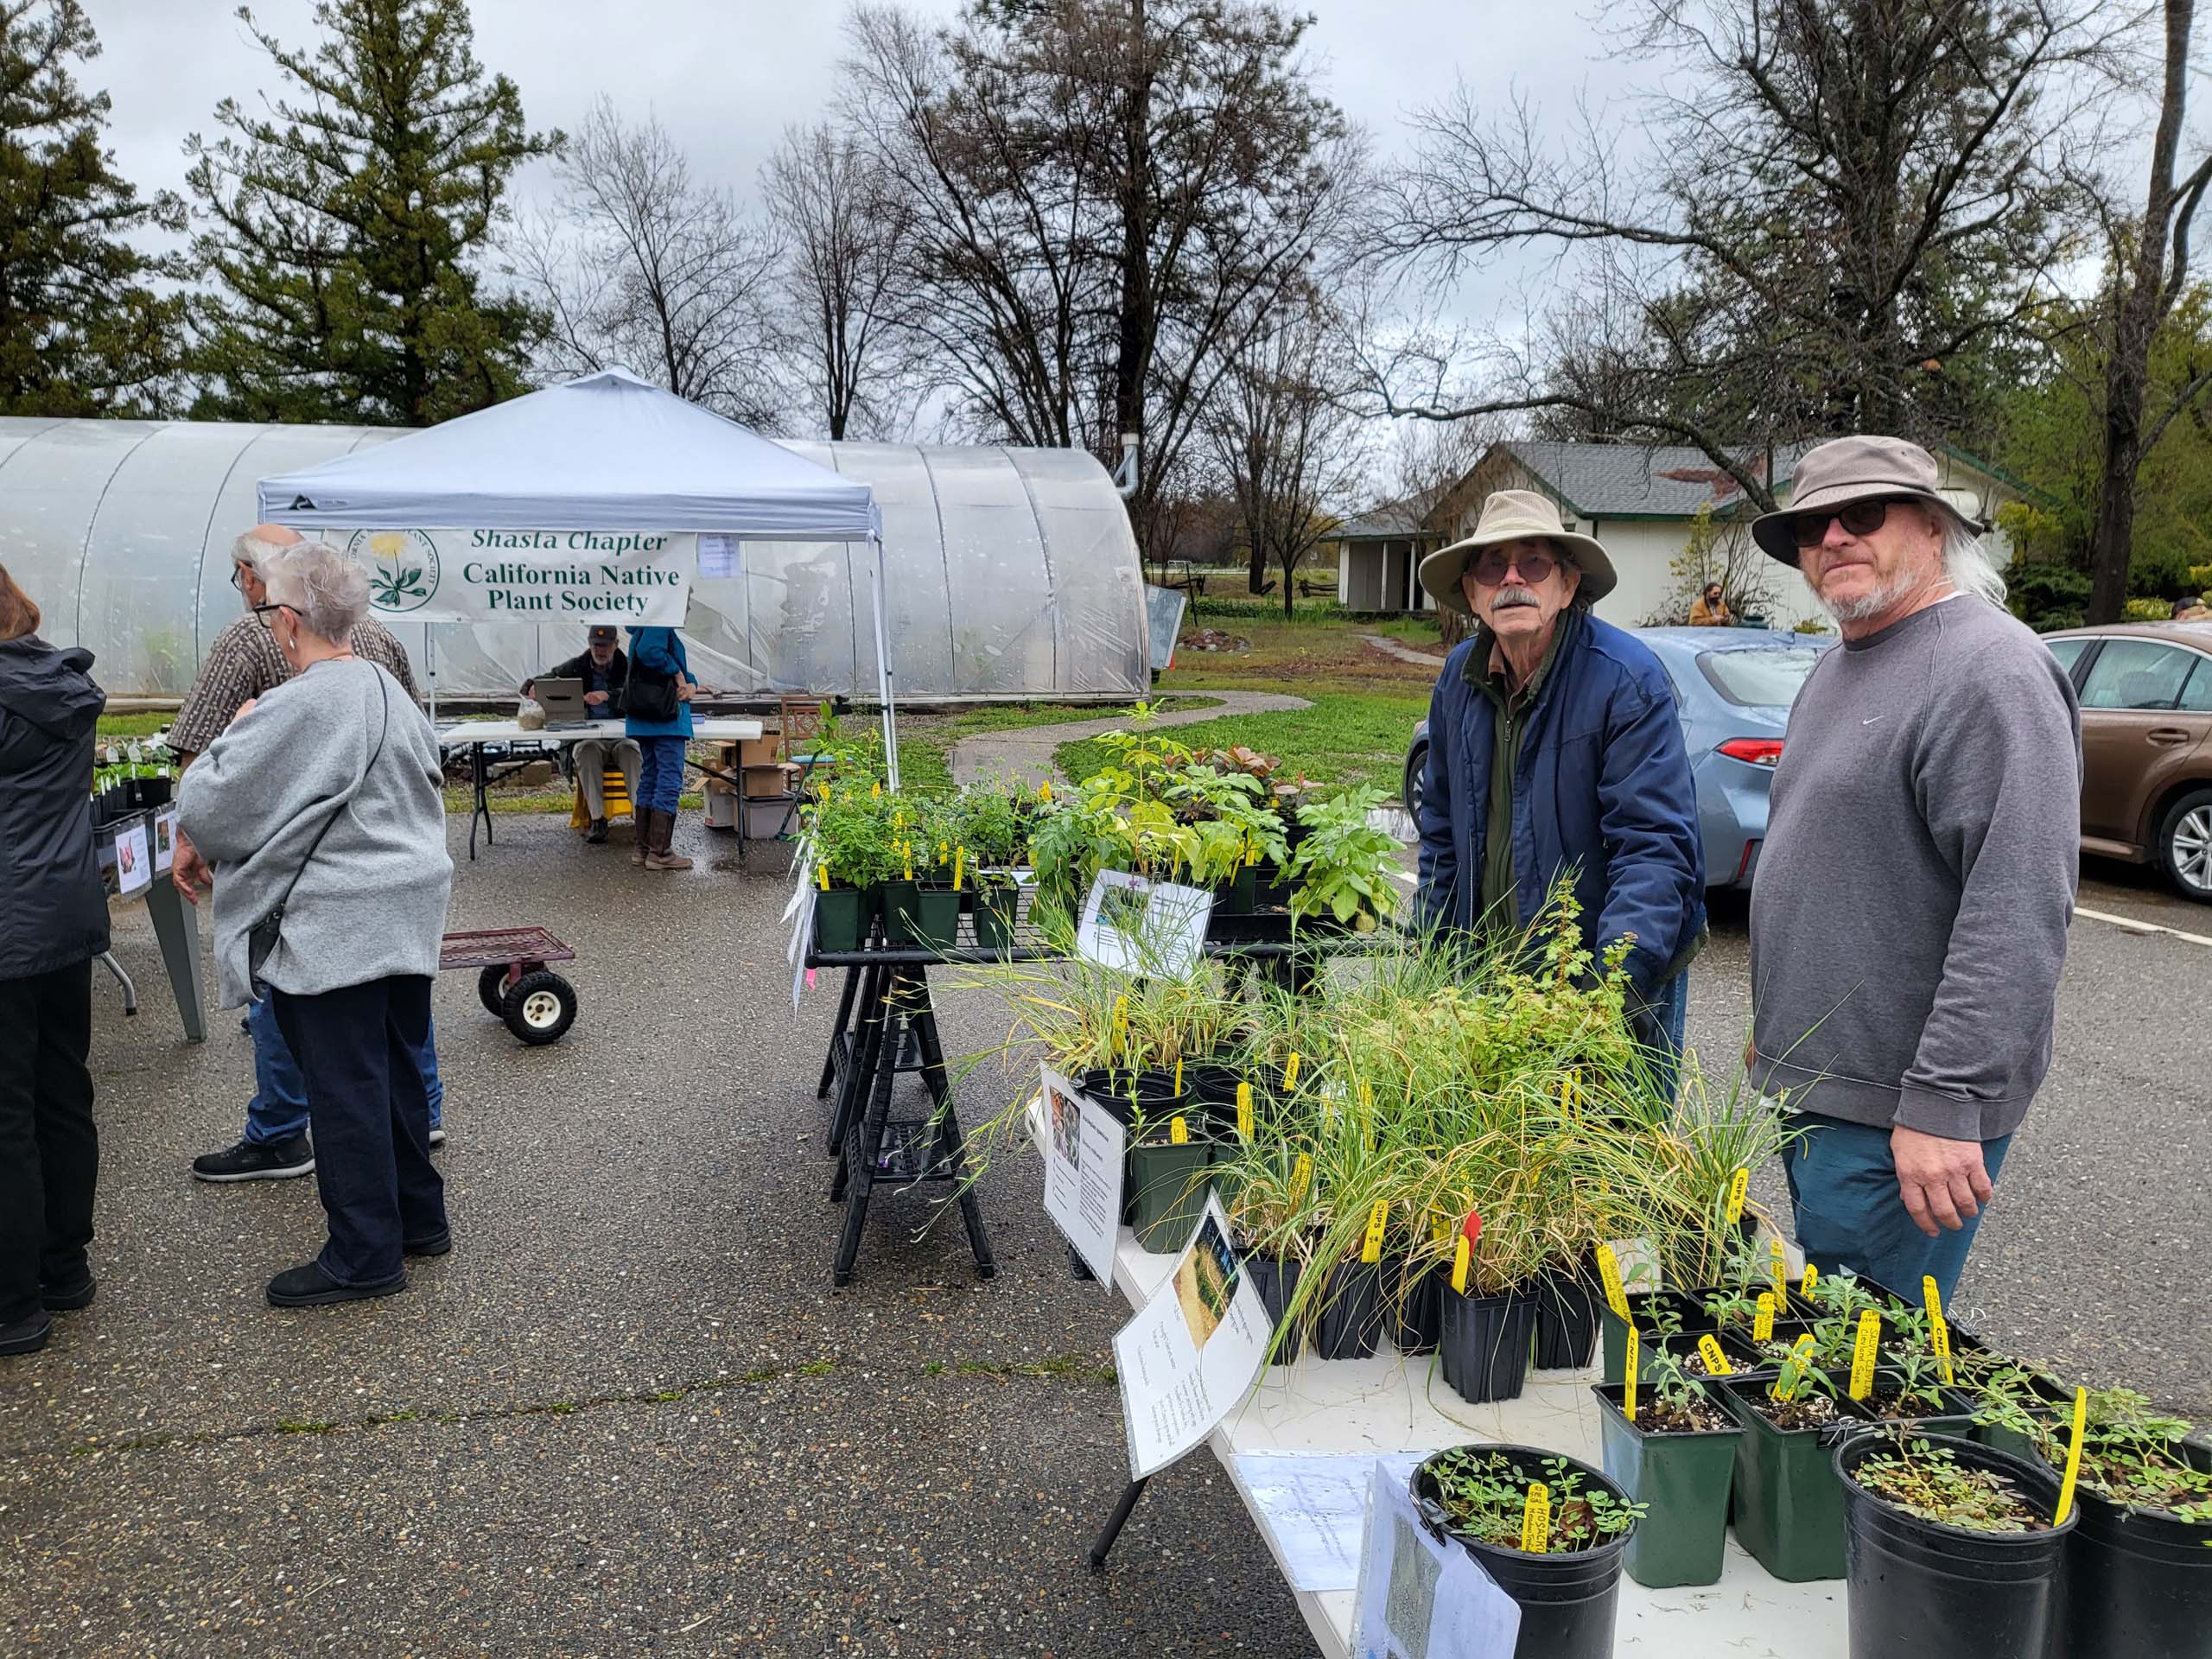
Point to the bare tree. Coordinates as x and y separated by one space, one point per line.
2150 272
844 234
1286 444
640 265
1843 206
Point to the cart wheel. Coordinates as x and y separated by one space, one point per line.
540 1008
492 990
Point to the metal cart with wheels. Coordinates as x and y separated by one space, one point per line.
512 980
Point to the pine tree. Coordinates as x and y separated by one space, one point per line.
80 332
344 231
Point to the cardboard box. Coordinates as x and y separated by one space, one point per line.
764 783
757 752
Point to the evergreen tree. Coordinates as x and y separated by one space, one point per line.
345 229
80 332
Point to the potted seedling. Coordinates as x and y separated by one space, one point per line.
1344 868
1789 1506
1951 1547
1676 1459
848 832
1271 1209
991 831
1565 1575
1487 1331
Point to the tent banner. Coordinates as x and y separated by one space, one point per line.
637 579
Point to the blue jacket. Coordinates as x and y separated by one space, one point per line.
659 650
1604 784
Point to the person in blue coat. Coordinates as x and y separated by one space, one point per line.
658 670
1555 745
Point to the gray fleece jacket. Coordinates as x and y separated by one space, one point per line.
372 903
1909 922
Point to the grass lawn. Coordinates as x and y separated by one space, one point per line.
1346 737
134 725
925 740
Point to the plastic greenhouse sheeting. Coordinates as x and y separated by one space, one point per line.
1010 572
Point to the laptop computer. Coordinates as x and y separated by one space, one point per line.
563 703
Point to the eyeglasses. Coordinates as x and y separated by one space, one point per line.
238 577
264 611
1857 518
1491 566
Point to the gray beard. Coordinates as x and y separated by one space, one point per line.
1891 593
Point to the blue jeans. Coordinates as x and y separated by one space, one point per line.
1843 1184
278 1110
1660 1026
661 775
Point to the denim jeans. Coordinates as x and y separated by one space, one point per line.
661 777
1660 1024
1843 1186
278 1110
360 1048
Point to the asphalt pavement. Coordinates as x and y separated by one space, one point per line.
630 1414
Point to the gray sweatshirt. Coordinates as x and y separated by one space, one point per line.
372 901
1909 919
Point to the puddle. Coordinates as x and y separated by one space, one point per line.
1394 821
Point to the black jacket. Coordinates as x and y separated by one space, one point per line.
52 909
579 668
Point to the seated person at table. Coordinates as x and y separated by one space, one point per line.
603 671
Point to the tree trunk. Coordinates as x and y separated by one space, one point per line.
1132 341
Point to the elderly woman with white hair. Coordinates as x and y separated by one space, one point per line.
321 808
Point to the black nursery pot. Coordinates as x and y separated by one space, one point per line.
1276 1279
1484 1343
1567 1600
1919 1587
994 912
2137 1585
1413 1298
1566 1321
1348 1312
840 919
902 911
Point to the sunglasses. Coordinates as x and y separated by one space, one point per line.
1491 566
1857 519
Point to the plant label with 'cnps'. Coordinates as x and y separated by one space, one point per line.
1370 1248
1863 1353
1716 1362
1739 1184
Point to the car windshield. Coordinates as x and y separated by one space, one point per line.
1759 679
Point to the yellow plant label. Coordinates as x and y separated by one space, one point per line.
1122 1026
1793 1369
1290 1074
1762 1321
907 851
1461 1255
1716 1362
1244 1110
2073 1457
959 863
1939 1339
1863 1353
875 793
1805 1285
1931 1297
1301 1174
1609 1270
1536 1521
1738 1185
1370 1248
1778 1261
1179 1131
1044 792
821 875
1179 1074
1628 1375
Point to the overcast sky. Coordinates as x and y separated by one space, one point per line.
728 76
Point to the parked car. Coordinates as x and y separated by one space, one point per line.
1734 687
2146 744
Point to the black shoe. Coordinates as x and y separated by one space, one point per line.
439 1246
26 1336
255 1160
309 1286
69 1298
597 833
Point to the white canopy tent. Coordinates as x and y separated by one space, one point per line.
608 452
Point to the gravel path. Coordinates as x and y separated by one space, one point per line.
1026 752
1402 652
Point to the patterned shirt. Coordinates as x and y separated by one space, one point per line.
243 662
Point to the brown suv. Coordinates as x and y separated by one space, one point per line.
2146 744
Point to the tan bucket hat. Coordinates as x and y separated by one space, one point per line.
1509 515
1838 473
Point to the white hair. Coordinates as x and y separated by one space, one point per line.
1967 563
328 590
251 551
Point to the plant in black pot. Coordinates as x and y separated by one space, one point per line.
1951 1547
1345 868
849 832
1676 1459
990 825
1478 1498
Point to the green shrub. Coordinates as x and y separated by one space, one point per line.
2046 594
2147 610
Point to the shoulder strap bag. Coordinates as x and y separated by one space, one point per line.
261 942
650 694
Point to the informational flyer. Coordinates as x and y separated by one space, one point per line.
164 839
719 557
1140 926
1313 1508
1421 1598
1083 1162
134 858
1192 1351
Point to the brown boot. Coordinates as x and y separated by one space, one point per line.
659 857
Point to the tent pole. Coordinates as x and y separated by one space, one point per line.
430 662
883 673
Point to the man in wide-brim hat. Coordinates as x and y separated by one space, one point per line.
1909 923
1553 746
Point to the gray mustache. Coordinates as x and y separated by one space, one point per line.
1509 597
